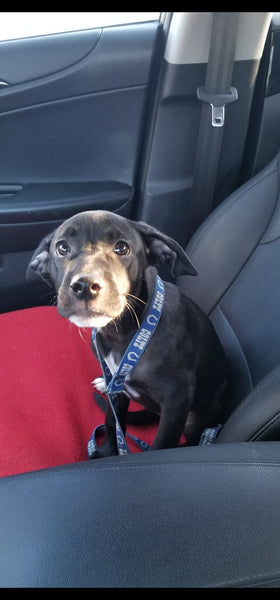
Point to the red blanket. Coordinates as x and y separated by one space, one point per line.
48 410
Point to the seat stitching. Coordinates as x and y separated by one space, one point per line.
61 470
265 427
220 310
271 576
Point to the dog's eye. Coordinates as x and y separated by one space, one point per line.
121 248
62 248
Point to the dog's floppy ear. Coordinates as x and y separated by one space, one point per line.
38 267
163 250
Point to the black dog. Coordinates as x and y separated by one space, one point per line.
104 270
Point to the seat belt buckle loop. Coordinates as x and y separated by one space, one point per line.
217 103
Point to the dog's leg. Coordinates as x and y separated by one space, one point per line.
194 427
207 412
172 422
109 445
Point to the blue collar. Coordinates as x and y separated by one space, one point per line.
115 382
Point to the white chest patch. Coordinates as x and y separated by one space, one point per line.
111 363
99 382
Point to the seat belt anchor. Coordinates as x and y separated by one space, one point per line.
217 103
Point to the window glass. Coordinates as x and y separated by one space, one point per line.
15 25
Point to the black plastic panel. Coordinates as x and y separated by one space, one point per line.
22 228
273 78
105 68
51 201
87 138
53 53
263 138
167 188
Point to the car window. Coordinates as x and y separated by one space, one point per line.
14 25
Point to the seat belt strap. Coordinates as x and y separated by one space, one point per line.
215 94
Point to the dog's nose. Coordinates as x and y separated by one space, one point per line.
85 286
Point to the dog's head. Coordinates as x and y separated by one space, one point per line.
96 261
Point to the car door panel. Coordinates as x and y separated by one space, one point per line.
71 122
53 53
81 139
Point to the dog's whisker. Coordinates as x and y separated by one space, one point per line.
133 313
115 325
45 280
128 308
136 298
80 334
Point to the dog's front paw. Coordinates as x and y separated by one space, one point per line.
100 384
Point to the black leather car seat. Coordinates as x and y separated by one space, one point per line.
201 516
236 252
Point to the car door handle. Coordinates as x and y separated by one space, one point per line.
3 84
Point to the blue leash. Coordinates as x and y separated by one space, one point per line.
115 382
